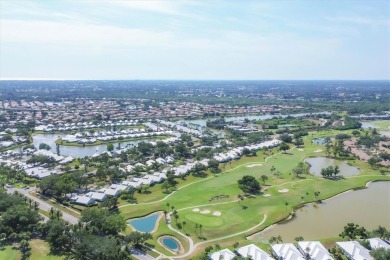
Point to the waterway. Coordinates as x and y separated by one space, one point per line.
78 151
367 207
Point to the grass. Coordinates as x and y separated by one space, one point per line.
41 250
383 125
240 216
10 253
57 205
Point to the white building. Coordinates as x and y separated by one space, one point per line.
253 252
314 249
286 252
354 251
376 243
224 254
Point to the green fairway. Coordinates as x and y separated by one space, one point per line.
243 217
208 220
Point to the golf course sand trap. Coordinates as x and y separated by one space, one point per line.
267 195
318 151
195 210
217 213
206 211
283 191
253 165
300 149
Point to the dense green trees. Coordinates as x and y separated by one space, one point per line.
353 231
249 184
101 221
137 239
57 185
329 171
380 254
300 169
43 146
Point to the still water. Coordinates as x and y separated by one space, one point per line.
368 207
77 151
318 163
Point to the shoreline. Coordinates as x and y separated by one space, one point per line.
75 144
291 216
156 225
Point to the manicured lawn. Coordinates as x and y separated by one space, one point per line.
41 250
9 253
383 125
237 216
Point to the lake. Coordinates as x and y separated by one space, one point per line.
367 207
77 151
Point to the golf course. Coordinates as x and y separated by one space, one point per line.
211 209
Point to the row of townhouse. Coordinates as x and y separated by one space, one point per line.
84 125
236 153
313 250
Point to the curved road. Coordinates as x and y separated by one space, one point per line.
43 205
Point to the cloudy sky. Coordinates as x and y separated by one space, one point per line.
178 39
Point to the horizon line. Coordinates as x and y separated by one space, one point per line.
59 79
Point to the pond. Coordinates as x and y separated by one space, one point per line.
318 163
146 224
367 207
321 141
170 243
77 151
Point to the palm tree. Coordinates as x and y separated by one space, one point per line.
264 178
273 169
200 229
196 228
59 214
286 204
184 224
168 205
51 213
316 194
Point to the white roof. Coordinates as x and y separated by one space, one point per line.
253 252
287 251
355 250
224 254
111 192
315 249
378 243
84 200
96 195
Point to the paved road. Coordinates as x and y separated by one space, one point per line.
141 255
43 205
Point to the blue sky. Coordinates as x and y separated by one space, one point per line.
178 39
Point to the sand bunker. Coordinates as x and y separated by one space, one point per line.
283 191
318 151
300 149
253 165
217 213
206 211
267 195
195 210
